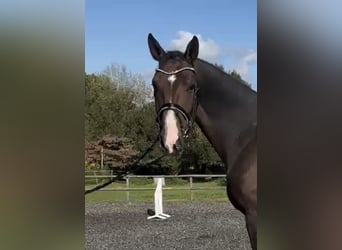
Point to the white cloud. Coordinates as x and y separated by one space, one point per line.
208 49
244 63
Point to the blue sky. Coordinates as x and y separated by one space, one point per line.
116 32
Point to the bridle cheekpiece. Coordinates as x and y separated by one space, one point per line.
175 107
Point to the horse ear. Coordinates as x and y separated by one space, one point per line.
191 51
156 50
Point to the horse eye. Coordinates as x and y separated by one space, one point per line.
192 87
154 85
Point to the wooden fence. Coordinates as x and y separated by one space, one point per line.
95 175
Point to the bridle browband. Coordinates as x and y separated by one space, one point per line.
173 106
176 71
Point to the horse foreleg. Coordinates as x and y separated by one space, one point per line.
251 223
242 188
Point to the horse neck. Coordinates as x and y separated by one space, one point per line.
226 110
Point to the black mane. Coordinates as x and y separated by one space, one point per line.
177 55
222 72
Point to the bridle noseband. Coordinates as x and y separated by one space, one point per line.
173 106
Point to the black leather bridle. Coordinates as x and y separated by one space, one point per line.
189 118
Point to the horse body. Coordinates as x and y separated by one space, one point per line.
227 116
224 109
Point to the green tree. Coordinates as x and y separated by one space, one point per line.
220 66
135 83
199 152
233 73
106 109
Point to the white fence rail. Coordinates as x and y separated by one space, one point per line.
129 189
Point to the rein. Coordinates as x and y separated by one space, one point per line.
175 107
120 176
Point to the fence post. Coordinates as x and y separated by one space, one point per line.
97 181
191 193
127 191
102 158
158 200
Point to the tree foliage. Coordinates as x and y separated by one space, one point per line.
106 109
220 66
124 79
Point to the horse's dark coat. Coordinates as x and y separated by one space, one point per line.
226 113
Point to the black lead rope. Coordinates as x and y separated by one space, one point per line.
112 179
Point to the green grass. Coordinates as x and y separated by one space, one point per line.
168 195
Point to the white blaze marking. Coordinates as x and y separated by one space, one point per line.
172 79
171 131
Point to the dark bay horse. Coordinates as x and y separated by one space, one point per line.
188 89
